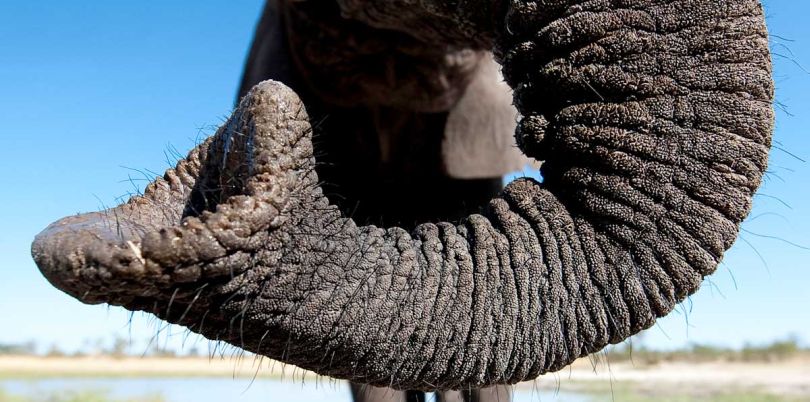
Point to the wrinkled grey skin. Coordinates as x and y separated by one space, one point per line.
431 126
653 119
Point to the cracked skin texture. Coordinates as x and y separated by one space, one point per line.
653 119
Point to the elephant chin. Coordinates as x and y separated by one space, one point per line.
654 122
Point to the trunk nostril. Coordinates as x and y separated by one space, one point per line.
225 170
237 159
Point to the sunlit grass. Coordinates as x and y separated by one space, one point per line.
635 396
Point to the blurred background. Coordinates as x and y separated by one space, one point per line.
98 97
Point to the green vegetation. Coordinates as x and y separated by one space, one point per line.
776 351
114 347
28 348
76 396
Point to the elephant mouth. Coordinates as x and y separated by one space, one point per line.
236 183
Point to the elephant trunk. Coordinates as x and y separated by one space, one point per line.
653 120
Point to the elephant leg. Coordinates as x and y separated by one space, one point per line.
370 393
496 393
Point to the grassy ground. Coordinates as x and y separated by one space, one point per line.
721 379
636 392
619 393
787 380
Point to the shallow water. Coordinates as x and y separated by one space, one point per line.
198 389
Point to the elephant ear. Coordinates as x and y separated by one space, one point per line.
479 137
269 57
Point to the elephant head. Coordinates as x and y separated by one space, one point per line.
653 120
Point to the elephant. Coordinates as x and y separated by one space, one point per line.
348 217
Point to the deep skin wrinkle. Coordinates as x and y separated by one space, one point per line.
654 122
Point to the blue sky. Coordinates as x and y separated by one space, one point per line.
93 92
